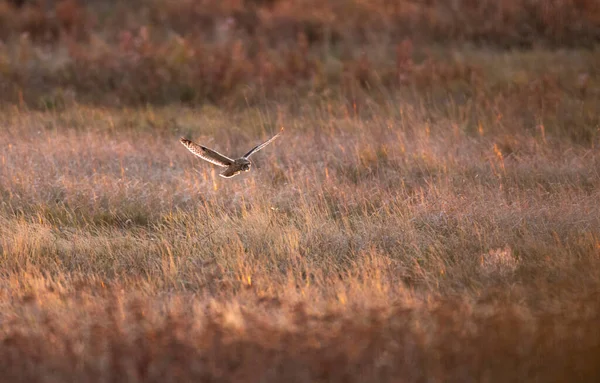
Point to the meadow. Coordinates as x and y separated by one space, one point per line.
430 214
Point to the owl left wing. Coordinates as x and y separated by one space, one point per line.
207 154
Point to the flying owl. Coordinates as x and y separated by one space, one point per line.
233 167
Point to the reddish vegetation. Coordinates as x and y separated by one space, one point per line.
243 51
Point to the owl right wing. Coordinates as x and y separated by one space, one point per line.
206 153
259 147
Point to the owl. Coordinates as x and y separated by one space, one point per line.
233 166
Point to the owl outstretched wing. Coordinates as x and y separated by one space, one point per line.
206 153
259 147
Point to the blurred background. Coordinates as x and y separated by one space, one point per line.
240 52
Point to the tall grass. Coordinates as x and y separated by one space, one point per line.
356 249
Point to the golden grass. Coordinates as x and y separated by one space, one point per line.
357 249
429 214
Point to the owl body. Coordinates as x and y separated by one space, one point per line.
239 165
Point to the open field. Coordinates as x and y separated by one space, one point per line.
430 214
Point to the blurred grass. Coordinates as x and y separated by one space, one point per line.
235 53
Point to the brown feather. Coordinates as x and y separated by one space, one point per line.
206 154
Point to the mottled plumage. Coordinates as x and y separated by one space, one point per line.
234 167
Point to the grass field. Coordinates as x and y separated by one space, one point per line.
430 214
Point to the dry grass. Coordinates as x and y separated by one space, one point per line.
430 213
359 249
